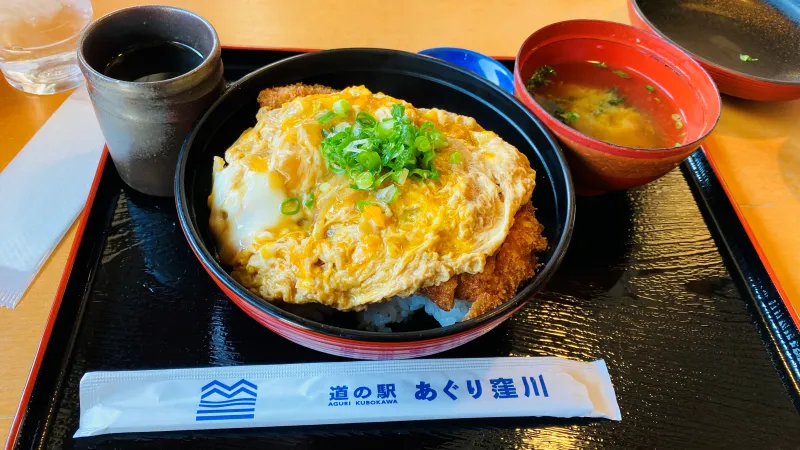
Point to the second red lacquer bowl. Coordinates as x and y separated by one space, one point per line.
599 166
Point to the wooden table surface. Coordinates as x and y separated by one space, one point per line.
752 142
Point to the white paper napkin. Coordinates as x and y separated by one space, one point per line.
43 190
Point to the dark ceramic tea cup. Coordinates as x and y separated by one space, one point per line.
151 72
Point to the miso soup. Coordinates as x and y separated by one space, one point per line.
611 104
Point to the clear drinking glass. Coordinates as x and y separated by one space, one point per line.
38 42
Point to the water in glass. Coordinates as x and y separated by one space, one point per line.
38 42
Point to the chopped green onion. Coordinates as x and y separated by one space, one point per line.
386 129
621 74
325 118
455 158
600 65
427 159
419 174
309 201
357 146
341 107
613 98
747 58
416 175
539 77
649 88
398 111
678 121
370 160
678 144
657 99
439 141
388 194
371 151
407 135
568 116
436 138
365 120
401 176
290 206
361 204
379 181
364 180
422 143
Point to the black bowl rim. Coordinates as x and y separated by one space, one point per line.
293 320
657 31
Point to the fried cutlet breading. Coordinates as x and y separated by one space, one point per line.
443 294
272 98
513 263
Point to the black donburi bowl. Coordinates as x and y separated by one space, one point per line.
424 82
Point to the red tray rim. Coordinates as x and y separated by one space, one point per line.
51 318
709 143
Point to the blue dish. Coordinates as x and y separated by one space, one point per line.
475 62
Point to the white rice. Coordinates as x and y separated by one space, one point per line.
377 316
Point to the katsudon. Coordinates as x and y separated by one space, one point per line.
361 202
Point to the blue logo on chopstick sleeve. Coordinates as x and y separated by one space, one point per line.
219 401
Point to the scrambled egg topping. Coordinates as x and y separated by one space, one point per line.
337 251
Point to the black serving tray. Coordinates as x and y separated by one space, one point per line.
660 281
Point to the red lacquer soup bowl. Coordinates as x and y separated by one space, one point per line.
425 82
751 49
672 76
